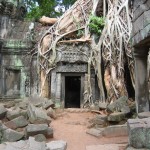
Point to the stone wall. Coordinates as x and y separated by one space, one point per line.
18 72
72 62
141 22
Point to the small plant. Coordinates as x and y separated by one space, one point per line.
96 24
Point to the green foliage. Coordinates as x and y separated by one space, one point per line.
96 24
39 8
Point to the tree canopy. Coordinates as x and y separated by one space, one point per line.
49 8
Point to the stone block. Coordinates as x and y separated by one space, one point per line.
115 131
23 105
144 115
30 144
102 105
106 147
18 122
13 114
132 148
139 133
11 135
95 132
34 129
57 145
146 18
138 25
116 117
9 104
40 138
37 115
118 105
51 113
47 104
3 111
49 133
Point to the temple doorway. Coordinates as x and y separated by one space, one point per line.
72 91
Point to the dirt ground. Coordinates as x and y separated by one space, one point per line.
71 127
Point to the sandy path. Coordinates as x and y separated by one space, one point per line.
71 127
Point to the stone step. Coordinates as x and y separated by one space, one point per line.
107 147
77 110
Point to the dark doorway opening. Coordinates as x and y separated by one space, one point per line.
72 91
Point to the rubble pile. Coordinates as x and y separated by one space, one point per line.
113 114
23 118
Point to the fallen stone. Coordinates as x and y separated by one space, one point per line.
95 132
40 138
11 135
119 105
115 131
57 145
51 113
144 115
49 133
37 115
102 105
36 100
30 144
3 111
116 117
47 104
94 107
106 147
9 104
23 105
24 113
139 133
97 121
17 123
13 114
132 148
34 129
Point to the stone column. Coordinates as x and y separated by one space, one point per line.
53 84
58 87
141 79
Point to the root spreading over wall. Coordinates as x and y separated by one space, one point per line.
113 49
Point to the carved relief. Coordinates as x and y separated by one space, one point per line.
72 68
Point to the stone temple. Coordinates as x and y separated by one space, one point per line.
18 65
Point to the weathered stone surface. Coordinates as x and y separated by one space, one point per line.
11 135
30 144
49 133
102 105
132 148
97 120
115 131
13 114
57 145
47 104
139 133
119 105
95 132
37 115
143 115
40 138
9 104
3 111
106 147
116 117
23 105
51 113
17 123
34 129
